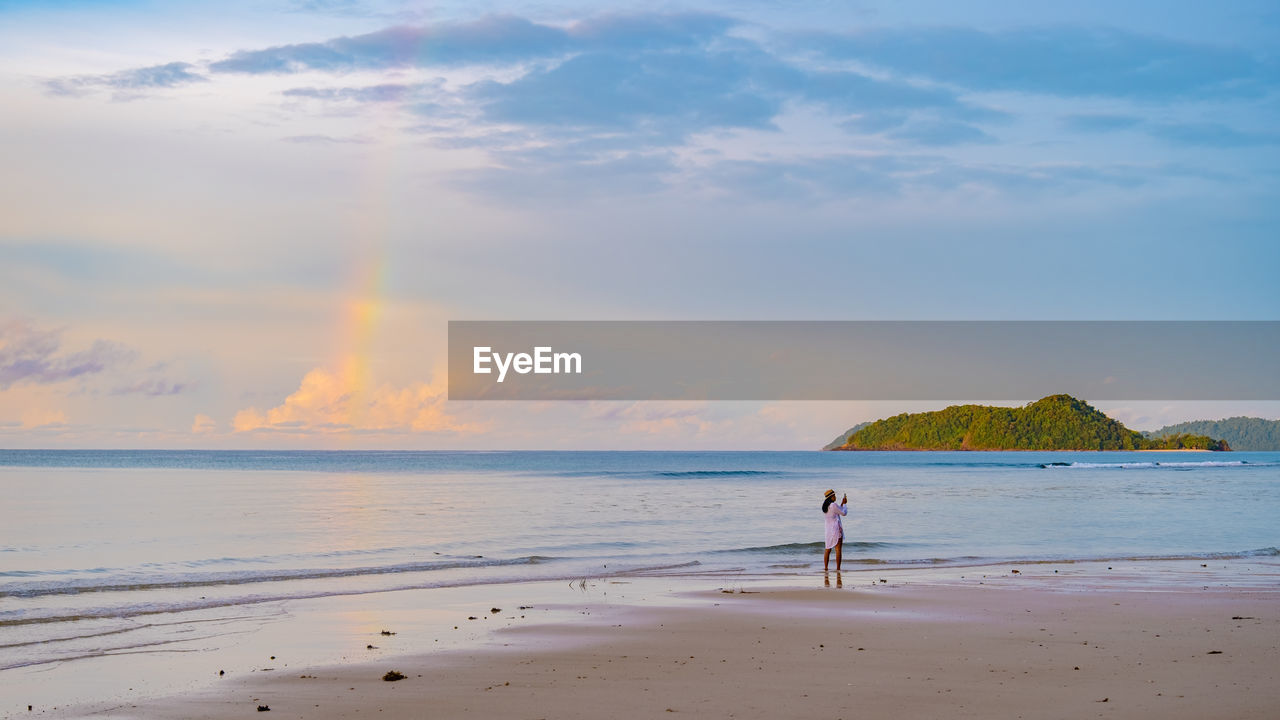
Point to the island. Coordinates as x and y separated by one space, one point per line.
1250 434
1057 422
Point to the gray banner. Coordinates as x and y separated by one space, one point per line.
863 360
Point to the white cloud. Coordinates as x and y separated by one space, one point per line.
327 402
203 424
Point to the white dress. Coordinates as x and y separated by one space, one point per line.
835 530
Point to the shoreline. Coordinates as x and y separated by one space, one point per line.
982 450
547 634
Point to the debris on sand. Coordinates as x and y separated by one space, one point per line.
387 632
394 675
264 708
495 611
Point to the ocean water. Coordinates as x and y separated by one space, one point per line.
95 544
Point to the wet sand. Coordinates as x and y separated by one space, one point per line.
1010 645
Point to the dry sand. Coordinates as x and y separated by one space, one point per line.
1013 650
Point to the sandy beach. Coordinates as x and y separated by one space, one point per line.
1050 641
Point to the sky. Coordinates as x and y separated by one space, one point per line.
247 224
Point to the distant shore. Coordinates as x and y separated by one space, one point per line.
982 450
1168 639
1060 420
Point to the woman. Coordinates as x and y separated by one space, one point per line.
835 529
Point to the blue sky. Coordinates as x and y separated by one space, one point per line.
265 211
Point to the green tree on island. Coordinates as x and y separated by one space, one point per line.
1244 433
1057 422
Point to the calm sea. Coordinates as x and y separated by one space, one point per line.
93 543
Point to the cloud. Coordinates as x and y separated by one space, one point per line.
129 84
1211 134
928 129
203 424
29 355
667 96
861 93
685 92
1193 134
650 31
152 386
609 111
622 103
1062 178
41 418
840 176
658 77
827 176
567 174
604 104
941 132
1055 60
325 140
662 419
342 8
493 40
328 402
33 356
1099 122
383 92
